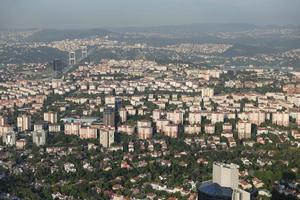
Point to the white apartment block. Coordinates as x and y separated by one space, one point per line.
87 132
50 117
244 130
156 114
171 130
194 118
72 128
24 123
175 117
280 118
5 129
227 127
107 137
123 114
145 133
209 128
161 125
2 121
54 128
257 117
217 117
207 92
144 129
129 130
192 129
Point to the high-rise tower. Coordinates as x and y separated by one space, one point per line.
57 68
109 117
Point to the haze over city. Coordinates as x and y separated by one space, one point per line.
111 13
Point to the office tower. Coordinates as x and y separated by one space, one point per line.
39 137
50 117
109 117
107 137
72 58
24 123
226 175
9 138
58 69
84 52
123 114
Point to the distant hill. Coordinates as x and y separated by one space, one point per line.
246 50
189 28
48 35
34 55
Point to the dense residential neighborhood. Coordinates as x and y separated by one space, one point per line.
112 116
134 128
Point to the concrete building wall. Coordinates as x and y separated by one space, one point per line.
226 175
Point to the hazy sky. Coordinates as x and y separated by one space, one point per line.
103 13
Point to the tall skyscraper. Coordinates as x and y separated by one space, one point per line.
58 69
109 117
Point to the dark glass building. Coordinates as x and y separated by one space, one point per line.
57 68
109 117
213 191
